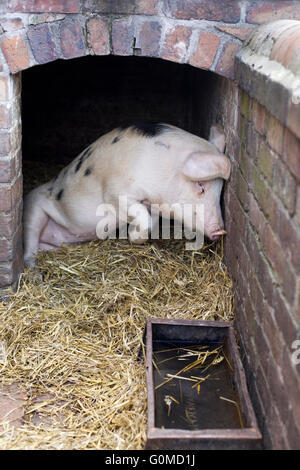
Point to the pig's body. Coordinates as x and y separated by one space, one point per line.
148 163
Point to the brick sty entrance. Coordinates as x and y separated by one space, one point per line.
256 99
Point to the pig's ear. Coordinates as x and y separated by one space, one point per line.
206 166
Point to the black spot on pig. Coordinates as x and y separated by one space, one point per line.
59 195
147 129
50 189
116 139
87 172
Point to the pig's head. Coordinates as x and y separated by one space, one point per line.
204 174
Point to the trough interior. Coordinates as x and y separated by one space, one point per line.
202 408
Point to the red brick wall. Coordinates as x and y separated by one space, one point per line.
262 252
263 224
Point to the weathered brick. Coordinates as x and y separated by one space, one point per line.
16 53
8 223
39 18
291 152
291 379
42 45
12 406
245 164
266 161
240 32
261 12
252 142
242 129
71 38
206 50
5 198
242 190
262 268
293 431
40 6
17 191
5 116
257 217
256 293
272 332
280 402
7 170
276 429
245 104
127 7
9 271
258 117
297 210
238 217
122 36
293 116
10 141
149 38
213 10
285 46
284 318
98 35
225 65
262 347
289 237
6 250
3 88
297 300
11 24
275 134
176 44
284 185
5 144
264 197
281 266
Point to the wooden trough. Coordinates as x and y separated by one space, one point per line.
196 404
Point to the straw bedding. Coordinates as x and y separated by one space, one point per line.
69 342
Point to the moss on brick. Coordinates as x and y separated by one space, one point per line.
266 160
245 104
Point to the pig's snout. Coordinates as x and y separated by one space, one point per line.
216 234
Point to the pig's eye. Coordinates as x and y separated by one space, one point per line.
200 187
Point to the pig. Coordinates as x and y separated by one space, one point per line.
150 163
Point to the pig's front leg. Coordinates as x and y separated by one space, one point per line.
35 219
140 223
